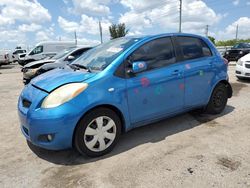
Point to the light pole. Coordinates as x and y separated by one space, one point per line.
180 16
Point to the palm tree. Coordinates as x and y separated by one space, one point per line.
118 30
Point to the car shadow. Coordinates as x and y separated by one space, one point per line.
151 133
244 80
6 67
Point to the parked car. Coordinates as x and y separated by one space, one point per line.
243 67
36 68
119 85
14 55
237 51
4 57
44 50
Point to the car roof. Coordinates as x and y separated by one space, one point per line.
164 35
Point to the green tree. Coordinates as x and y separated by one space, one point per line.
231 42
212 39
118 30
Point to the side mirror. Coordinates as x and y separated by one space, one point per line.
139 66
70 57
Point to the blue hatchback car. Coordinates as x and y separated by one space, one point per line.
119 85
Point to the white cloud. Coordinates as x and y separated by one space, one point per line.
163 15
23 11
29 28
135 21
5 21
248 2
143 5
88 25
81 40
12 36
230 31
66 25
66 2
45 35
236 2
97 7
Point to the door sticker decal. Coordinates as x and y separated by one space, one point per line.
145 82
188 66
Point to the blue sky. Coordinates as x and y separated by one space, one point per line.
29 22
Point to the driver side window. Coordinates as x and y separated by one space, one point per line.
37 50
157 53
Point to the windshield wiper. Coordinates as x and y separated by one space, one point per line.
81 67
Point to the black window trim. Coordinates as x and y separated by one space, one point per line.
179 51
121 71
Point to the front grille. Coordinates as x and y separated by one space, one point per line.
233 52
247 66
26 103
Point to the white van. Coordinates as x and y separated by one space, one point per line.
45 49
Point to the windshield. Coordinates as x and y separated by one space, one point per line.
242 45
63 53
101 56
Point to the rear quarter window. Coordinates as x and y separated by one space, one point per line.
193 48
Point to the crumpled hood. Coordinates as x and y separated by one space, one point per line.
56 64
37 63
55 78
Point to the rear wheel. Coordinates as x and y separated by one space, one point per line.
218 100
97 132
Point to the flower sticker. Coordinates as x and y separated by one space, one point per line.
188 66
144 82
182 86
158 90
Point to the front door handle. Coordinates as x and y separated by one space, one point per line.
176 72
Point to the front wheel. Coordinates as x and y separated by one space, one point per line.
218 100
97 132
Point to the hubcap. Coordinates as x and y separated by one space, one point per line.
100 133
218 99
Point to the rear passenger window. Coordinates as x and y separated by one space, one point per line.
193 48
157 53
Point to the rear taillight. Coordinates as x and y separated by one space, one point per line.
225 61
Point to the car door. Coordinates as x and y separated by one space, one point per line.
157 91
199 69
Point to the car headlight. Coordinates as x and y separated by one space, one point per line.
239 62
241 52
30 71
63 94
227 52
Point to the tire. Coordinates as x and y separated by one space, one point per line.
218 99
87 132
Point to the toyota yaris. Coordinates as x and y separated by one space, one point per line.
119 85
